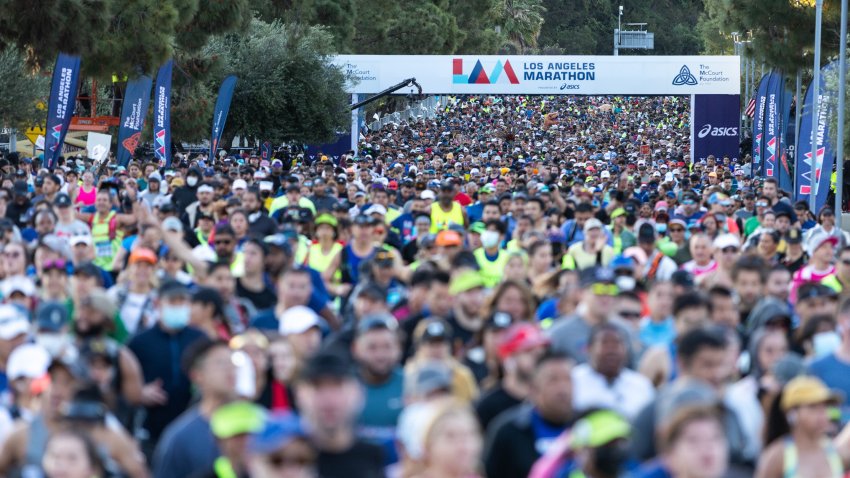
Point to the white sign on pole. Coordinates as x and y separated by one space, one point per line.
39 142
545 75
97 146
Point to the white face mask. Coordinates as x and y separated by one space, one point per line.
825 343
489 239
191 181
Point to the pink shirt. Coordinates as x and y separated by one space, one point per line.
87 198
808 274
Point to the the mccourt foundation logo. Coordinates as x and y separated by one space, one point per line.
501 73
685 77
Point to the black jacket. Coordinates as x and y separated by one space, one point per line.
183 196
510 449
160 356
262 225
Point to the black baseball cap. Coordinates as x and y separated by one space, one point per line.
51 316
377 322
20 188
88 269
596 275
173 288
374 291
814 290
435 330
280 242
62 200
683 278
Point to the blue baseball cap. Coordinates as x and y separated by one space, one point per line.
277 431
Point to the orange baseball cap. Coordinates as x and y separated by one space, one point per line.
448 238
143 255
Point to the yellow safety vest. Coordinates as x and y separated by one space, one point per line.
441 220
301 250
320 261
202 239
223 468
392 215
833 283
491 271
105 247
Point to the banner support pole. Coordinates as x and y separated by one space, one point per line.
816 108
798 114
355 124
842 77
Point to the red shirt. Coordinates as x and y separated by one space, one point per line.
463 199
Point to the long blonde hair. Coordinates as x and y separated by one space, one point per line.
439 411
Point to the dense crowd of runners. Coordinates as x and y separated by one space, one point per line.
521 286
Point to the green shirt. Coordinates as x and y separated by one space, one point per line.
751 225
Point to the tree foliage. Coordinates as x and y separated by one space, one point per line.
116 37
782 31
287 89
23 90
586 27
521 21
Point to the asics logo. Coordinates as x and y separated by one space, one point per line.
708 130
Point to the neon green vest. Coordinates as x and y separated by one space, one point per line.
105 246
223 468
491 271
319 261
204 240
568 262
618 244
832 282
441 220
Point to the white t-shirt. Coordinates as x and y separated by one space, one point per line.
627 395
131 311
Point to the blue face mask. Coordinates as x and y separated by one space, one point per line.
661 228
175 317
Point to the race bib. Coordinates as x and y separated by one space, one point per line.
103 249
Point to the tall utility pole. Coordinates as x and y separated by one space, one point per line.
619 29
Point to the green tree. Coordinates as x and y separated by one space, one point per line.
586 27
405 27
287 89
23 90
521 22
116 37
337 16
782 30
477 20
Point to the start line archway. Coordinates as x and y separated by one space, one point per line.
712 82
